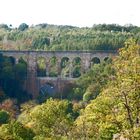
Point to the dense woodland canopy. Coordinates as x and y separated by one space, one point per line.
53 37
105 101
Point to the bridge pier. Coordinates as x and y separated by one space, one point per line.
59 66
32 76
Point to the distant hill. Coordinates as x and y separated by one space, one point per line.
58 37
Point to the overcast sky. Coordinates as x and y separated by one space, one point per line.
70 12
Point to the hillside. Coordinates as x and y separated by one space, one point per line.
54 37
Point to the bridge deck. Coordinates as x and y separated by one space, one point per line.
72 51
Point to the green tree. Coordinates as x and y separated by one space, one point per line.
15 131
51 119
94 80
4 26
4 117
23 26
116 109
14 75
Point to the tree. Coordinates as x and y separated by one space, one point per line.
4 117
15 131
10 106
51 119
23 26
116 109
4 26
14 75
94 80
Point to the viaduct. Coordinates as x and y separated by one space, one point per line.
35 83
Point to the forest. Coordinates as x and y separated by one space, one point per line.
103 105
54 37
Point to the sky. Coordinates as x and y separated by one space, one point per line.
81 13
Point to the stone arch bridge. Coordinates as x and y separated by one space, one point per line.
34 83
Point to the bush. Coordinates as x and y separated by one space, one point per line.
4 117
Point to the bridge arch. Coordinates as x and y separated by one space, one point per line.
16 59
53 68
106 58
65 66
13 60
95 60
64 62
47 89
77 61
41 66
77 64
22 60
